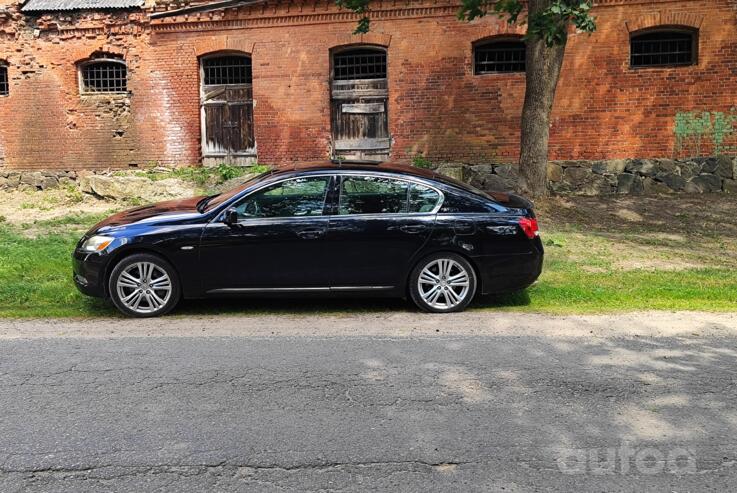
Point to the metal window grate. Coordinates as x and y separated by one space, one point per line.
227 70
499 56
105 77
4 86
662 48
359 64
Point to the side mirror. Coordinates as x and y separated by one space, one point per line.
231 217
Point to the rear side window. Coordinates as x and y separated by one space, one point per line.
372 195
458 203
422 198
375 195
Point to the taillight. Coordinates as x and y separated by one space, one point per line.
529 227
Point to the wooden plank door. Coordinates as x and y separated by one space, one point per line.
228 124
359 110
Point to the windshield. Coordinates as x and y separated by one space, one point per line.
210 203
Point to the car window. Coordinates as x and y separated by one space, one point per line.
422 198
291 198
372 195
457 203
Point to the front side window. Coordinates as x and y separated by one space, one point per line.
499 56
663 48
292 198
4 85
104 77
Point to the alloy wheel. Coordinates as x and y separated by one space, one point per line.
144 287
444 284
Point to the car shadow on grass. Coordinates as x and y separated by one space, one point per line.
334 306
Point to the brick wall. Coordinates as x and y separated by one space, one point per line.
437 107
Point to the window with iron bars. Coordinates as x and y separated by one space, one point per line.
104 77
227 70
662 49
499 56
359 64
4 83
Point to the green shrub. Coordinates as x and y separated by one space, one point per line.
420 161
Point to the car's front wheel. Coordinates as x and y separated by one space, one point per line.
144 285
443 283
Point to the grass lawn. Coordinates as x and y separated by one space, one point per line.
602 255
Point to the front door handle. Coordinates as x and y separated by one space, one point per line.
414 229
310 234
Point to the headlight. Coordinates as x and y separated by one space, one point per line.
97 243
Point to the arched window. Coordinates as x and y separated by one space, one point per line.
663 47
103 76
224 70
359 63
4 84
499 55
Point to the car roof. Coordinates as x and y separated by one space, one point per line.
355 166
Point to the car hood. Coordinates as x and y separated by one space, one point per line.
152 214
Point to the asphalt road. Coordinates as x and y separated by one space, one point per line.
392 402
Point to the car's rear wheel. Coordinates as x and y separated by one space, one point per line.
443 283
144 285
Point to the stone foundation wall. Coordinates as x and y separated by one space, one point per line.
618 176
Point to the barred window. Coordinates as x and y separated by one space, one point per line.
104 77
499 56
663 48
362 63
4 85
227 70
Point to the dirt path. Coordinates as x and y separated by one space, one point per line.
644 324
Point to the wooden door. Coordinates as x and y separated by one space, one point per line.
228 122
227 113
359 112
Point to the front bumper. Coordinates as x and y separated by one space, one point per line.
88 273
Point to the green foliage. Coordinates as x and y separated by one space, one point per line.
35 278
360 7
692 128
74 195
420 161
550 23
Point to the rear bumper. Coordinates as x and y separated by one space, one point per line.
509 273
88 273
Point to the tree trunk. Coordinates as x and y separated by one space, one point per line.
542 71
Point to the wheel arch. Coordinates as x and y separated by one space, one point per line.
122 253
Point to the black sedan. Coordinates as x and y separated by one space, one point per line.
321 228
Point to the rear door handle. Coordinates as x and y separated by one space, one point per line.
413 229
310 234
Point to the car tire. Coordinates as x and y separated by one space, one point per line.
144 285
443 283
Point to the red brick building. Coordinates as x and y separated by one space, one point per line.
132 84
